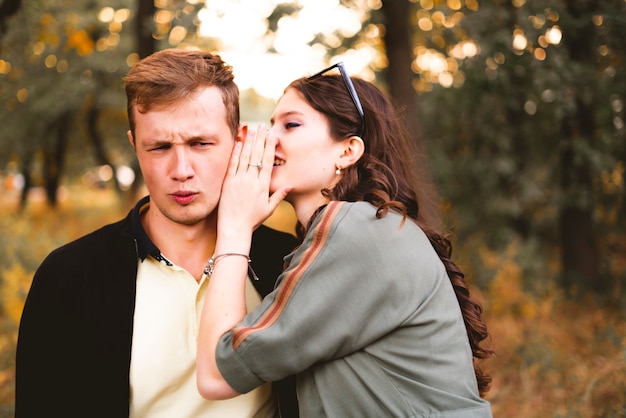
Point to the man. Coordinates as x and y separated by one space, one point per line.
109 325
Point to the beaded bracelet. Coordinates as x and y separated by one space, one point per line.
210 265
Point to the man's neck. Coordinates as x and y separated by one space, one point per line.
187 246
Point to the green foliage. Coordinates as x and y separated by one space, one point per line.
511 145
56 63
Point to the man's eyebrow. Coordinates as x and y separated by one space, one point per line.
154 142
210 137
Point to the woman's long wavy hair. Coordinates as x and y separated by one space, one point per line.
387 176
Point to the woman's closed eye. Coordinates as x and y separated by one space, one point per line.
290 125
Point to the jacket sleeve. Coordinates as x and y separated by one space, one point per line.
268 249
44 348
349 270
73 349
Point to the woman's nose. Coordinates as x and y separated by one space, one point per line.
273 133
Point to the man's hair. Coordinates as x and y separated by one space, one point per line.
169 76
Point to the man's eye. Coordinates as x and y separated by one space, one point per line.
201 144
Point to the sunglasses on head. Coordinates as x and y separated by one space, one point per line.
349 86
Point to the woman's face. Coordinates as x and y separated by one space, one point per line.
306 156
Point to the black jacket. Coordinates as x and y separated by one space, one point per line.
74 343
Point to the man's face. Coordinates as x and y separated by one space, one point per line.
183 151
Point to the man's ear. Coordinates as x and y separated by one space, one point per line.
242 132
352 152
131 138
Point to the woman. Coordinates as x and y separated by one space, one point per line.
370 314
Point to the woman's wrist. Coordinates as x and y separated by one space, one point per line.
223 257
233 239
210 266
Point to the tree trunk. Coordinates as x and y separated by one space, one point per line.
7 9
26 169
144 27
399 76
398 35
579 253
93 114
54 158
146 45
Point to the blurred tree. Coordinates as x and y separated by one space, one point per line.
521 105
398 18
144 28
58 65
398 35
7 9
525 109
578 237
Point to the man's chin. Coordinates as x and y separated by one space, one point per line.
193 219
188 216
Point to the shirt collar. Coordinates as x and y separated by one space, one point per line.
145 246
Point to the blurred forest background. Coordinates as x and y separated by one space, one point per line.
517 104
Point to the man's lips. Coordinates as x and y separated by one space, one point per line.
183 198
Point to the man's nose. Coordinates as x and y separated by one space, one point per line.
182 165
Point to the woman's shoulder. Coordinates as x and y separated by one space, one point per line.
366 215
359 221
340 216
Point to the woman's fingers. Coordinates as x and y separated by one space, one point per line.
245 158
235 158
257 149
245 195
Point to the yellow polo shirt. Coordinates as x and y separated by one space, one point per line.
163 362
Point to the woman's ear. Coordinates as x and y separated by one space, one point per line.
352 152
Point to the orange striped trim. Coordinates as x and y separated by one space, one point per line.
289 283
